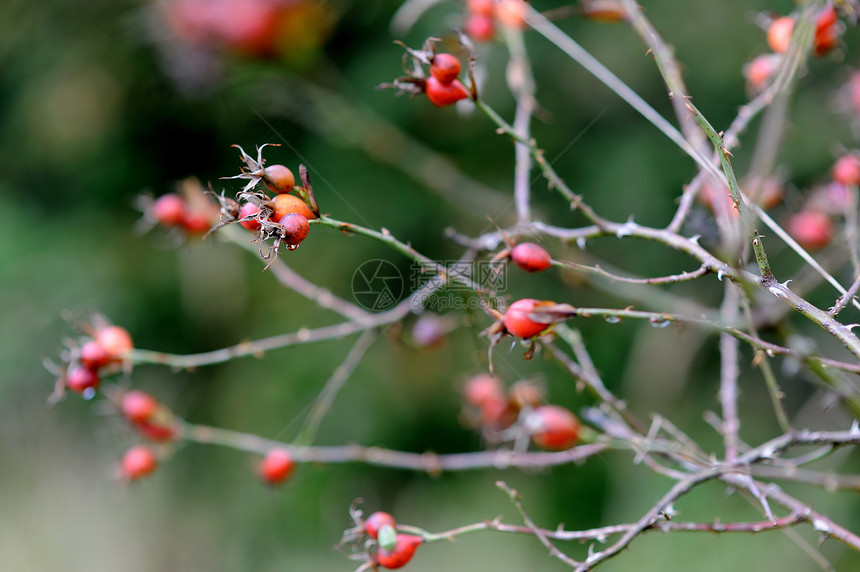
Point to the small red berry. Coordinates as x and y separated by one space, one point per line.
441 94
287 204
846 170
246 210
376 521
79 379
512 13
296 228
483 7
194 222
779 34
401 554
93 356
482 388
827 18
138 462
811 229
531 257
155 431
553 427
115 340
277 466
169 209
603 10
759 71
445 67
826 31
138 406
279 179
480 27
517 321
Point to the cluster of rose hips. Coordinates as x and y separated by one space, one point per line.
155 422
484 16
255 28
380 545
187 210
813 227
828 29
282 218
441 83
103 350
519 411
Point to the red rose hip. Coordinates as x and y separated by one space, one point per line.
138 406
295 229
517 321
531 257
279 179
115 341
401 554
138 462
441 94
445 68
277 466
811 229
846 170
169 209
80 378
553 427
376 521
246 210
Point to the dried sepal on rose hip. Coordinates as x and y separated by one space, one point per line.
277 178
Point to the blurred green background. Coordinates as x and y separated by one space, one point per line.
95 108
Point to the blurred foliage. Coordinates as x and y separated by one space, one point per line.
94 111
